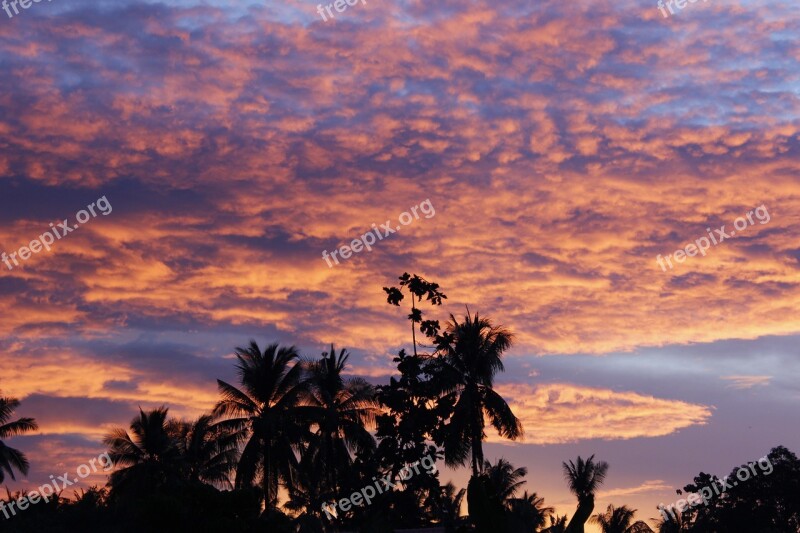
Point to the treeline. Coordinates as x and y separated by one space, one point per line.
294 445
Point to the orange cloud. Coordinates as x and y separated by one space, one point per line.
557 413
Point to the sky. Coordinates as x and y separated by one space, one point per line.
557 153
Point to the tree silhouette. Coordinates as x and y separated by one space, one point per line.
146 459
470 356
342 409
450 510
266 413
419 288
493 502
672 524
11 458
584 477
307 494
528 513
208 450
618 520
558 524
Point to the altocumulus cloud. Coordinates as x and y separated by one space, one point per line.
551 412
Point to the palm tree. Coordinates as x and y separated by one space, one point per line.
504 479
489 495
266 413
528 513
11 458
450 508
584 478
470 356
208 450
150 458
618 520
558 524
306 498
342 409
673 523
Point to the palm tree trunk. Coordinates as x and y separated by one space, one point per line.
267 481
477 440
581 516
413 328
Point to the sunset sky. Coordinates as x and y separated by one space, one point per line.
562 145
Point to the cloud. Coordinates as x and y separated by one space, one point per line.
556 413
747 382
645 487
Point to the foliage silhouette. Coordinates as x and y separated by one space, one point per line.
10 458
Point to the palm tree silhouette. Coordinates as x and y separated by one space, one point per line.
341 409
450 509
504 478
307 496
146 459
470 356
208 451
618 520
584 478
528 513
11 458
558 524
266 413
673 523
492 502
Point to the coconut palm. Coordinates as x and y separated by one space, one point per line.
672 523
470 356
306 498
147 458
528 513
504 479
11 458
209 451
584 478
490 494
558 524
266 414
342 409
618 520
450 506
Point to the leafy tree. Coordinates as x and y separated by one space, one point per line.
11 458
418 288
411 413
266 413
584 477
758 497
